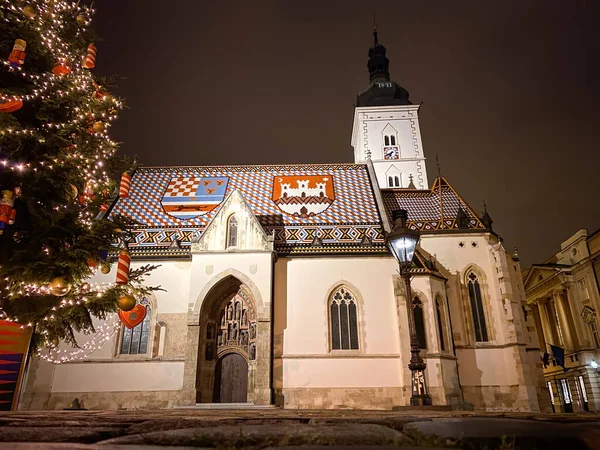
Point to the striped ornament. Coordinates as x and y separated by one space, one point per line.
123 267
124 187
90 59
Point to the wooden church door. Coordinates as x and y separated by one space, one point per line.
231 379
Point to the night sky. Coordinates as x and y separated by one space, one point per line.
510 93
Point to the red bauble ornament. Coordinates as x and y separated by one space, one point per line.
8 106
134 317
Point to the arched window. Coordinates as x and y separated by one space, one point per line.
393 140
386 139
135 341
232 232
397 181
481 333
419 322
343 320
391 181
441 320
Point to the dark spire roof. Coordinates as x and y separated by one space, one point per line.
381 90
486 219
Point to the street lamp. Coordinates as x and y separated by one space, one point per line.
402 242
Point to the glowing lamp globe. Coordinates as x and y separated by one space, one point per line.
401 241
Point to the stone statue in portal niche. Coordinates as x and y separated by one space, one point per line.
224 336
252 351
229 312
234 332
237 310
220 339
210 331
244 337
223 318
244 317
253 330
209 351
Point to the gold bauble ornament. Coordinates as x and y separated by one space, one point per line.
72 192
29 11
126 302
98 127
105 268
118 230
84 288
55 341
59 287
81 20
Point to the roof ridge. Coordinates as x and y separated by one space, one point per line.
236 166
460 197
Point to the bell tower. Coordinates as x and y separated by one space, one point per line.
386 127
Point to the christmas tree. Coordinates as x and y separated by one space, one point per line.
57 164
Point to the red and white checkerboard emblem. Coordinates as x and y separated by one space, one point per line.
191 196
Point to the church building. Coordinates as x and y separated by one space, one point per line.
278 287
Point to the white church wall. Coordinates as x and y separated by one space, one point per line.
302 287
118 377
254 268
306 373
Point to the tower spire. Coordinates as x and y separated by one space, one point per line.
375 38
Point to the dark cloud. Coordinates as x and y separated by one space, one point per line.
509 89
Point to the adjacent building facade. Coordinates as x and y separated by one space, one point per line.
279 289
563 296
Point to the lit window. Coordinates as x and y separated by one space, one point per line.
551 393
481 334
135 341
343 320
232 232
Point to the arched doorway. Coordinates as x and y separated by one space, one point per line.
227 348
231 379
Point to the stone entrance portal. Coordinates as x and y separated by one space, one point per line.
231 379
227 352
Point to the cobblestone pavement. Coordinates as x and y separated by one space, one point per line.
274 428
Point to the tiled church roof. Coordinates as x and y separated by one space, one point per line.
432 209
344 216
175 204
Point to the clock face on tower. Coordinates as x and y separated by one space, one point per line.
390 152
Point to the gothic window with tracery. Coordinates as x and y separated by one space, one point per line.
134 341
232 232
419 322
343 320
477 310
441 320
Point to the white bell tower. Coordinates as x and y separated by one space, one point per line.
386 128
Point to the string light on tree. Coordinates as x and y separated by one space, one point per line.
57 166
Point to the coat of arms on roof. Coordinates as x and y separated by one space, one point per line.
191 196
303 195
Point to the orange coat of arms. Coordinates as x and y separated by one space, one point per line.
303 195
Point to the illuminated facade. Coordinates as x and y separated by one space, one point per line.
563 297
279 289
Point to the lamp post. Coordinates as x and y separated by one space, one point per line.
402 242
